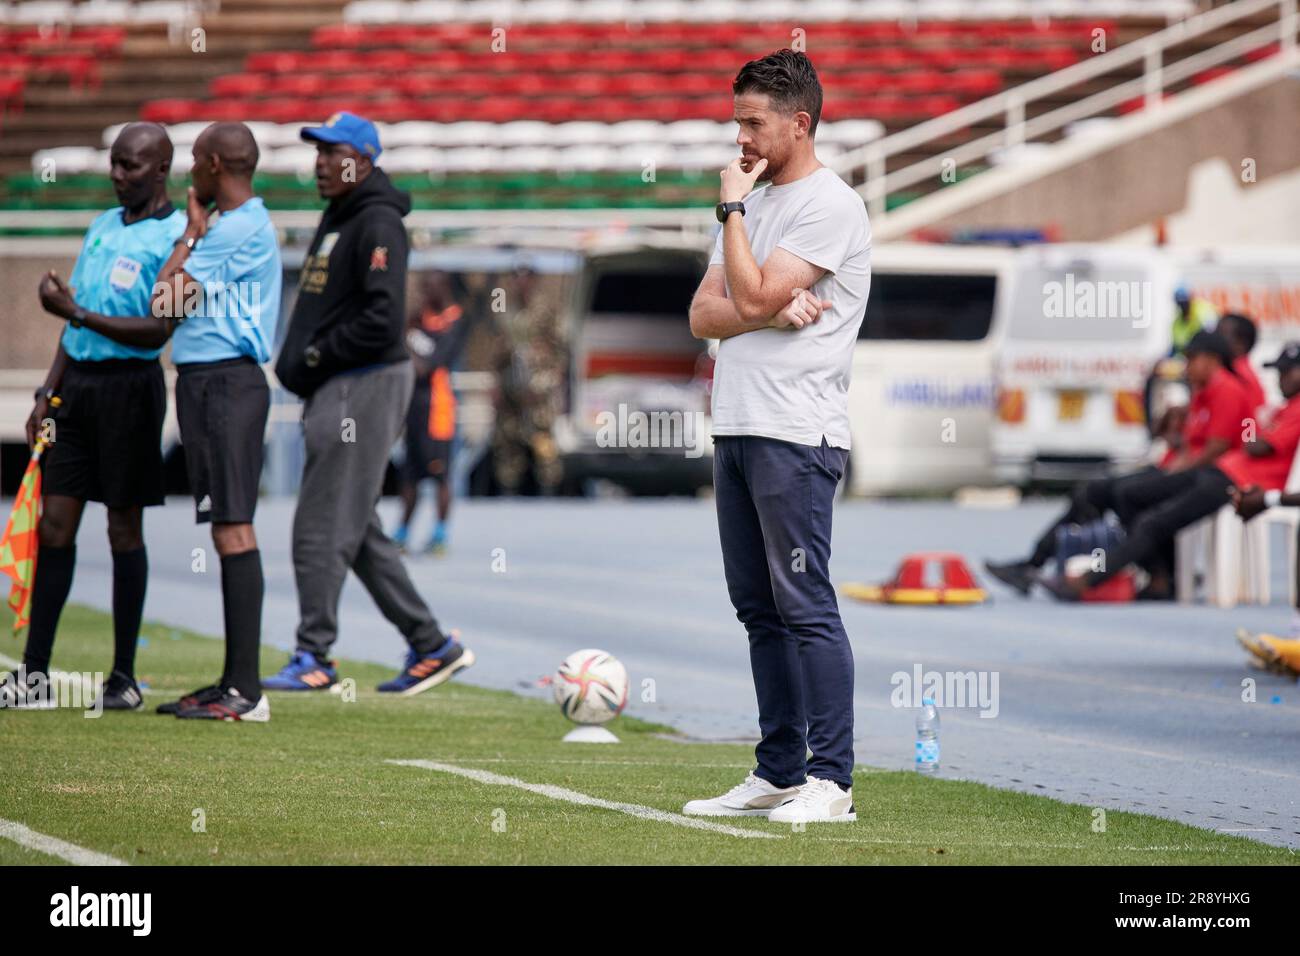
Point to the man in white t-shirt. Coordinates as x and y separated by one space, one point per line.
785 293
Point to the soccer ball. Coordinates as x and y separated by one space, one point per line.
591 687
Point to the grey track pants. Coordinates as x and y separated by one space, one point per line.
349 425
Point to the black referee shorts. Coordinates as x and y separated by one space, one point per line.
107 435
222 409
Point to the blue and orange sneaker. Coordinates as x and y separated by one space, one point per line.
400 537
303 672
423 671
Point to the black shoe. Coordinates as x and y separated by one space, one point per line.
1063 589
1019 575
230 704
120 693
200 696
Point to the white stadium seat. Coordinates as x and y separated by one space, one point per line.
175 13
374 11
430 11
41 12
530 158
525 133
628 132
411 159
295 160
101 12
547 11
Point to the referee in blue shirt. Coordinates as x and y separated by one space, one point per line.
102 405
222 286
218 298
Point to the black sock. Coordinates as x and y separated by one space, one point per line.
241 594
130 577
49 593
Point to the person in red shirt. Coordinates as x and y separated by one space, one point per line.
1275 654
1220 407
1258 469
1241 333
1213 424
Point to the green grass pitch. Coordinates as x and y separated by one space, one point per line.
314 786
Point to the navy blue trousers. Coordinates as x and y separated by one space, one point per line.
774 502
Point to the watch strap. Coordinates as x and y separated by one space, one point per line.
725 209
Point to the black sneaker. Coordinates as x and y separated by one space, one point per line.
18 694
230 704
120 693
1018 575
200 696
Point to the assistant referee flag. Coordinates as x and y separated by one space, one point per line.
18 545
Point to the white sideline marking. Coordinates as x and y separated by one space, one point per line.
572 796
76 855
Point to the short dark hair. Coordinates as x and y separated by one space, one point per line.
1242 328
789 79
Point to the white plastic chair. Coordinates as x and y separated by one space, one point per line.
1218 541
1236 554
1258 537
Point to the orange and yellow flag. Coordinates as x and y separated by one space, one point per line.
18 545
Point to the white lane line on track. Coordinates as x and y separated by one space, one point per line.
572 796
53 846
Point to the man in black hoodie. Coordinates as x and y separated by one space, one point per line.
345 354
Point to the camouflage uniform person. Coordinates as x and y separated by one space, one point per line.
532 363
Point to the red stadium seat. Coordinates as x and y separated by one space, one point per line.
274 62
172 111
239 84
11 94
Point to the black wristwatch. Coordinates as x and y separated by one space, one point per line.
725 209
45 392
78 317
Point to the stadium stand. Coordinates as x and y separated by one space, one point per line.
576 105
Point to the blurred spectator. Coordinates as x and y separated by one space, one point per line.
1167 503
435 336
1240 332
1192 315
532 363
1211 425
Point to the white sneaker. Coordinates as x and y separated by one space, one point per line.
818 801
753 798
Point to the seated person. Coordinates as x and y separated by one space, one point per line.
1211 425
1240 333
1167 503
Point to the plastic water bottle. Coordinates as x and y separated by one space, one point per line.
927 738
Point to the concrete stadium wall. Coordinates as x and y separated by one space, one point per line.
1137 182
28 337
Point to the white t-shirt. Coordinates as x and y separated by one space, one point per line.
793 384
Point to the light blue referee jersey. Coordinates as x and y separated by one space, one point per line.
115 274
238 264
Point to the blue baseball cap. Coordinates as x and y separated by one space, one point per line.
355 131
